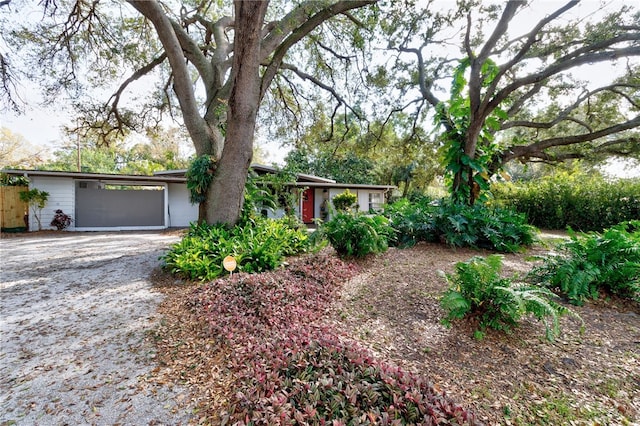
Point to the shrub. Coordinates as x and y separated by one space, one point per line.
477 289
357 235
10 180
591 263
343 202
412 221
460 225
61 220
479 226
291 369
580 201
257 246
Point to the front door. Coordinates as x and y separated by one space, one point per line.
307 205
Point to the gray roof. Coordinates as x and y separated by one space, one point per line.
94 176
302 177
177 176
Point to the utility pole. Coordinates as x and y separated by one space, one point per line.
78 158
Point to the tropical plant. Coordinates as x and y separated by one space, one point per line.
478 290
357 235
591 263
258 245
479 226
199 176
412 220
270 191
460 225
36 199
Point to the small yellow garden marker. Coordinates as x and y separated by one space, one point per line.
229 263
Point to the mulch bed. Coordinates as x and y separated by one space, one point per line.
393 309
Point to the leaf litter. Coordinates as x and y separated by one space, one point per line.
392 308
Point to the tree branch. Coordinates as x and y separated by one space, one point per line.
8 85
526 47
560 65
538 147
199 131
194 54
115 98
295 26
320 84
564 114
424 83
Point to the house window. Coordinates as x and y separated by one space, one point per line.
375 201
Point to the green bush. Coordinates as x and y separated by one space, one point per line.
594 262
478 226
257 246
343 202
460 225
412 220
357 235
580 201
477 289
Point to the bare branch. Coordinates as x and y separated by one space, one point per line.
424 83
115 98
8 85
526 47
538 147
296 26
522 100
560 65
322 85
564 114
500 29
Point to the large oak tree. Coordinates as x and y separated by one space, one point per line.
217 60
513 95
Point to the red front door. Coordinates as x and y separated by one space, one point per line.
307 205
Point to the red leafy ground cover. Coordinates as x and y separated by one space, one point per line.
288 367
392 308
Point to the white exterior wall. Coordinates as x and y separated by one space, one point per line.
181 211
61 196
361 194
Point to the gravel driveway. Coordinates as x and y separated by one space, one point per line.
74 312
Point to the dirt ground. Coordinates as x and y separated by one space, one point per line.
75 312
393 309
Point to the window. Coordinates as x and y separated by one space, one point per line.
375 201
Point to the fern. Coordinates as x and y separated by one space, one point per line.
591 263
477 288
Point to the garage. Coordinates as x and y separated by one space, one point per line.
110 202
103 205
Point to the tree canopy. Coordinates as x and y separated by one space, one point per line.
512 93
347 82
215 62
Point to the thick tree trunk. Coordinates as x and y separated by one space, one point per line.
226 193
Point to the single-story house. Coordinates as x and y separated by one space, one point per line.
110 202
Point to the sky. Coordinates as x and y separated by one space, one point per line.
41 125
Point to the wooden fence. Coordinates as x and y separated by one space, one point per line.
12 209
